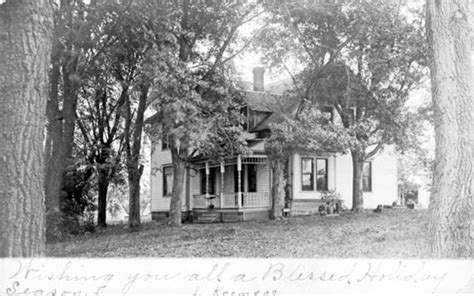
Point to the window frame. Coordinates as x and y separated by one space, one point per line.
368 176
328 110
309 187
165 141
165 182
212 181
326 175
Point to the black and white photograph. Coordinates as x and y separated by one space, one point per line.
236 147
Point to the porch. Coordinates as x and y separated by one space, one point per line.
236 190
239 200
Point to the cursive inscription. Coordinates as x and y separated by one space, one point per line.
84 282
400 273
217 277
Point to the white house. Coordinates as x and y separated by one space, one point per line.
239 189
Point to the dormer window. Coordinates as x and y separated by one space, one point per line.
165 140
328 113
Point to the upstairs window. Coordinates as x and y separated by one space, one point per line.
328 113
367 176
307 174
165 141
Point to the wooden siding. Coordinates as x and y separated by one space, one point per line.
158 159
229 179
298 193
384 179
195 183
263 178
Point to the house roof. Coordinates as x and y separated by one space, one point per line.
155 118
275 103
279 105
263 101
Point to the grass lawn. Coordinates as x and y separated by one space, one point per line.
397 233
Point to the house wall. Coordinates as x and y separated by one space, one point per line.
384 179
195 183
229 179
160 158
263 178
298 193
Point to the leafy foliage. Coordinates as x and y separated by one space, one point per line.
311 132
198 103
361 61
78 206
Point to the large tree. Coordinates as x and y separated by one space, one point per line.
195 97
25 46
311 131
61 106
107 88
78 41
361 59
451 212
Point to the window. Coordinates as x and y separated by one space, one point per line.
165 141
212 178
321 174
252 177
328 113
367 176
307 172
167 180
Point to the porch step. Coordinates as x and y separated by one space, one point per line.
208 217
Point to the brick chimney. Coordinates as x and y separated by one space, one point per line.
258 82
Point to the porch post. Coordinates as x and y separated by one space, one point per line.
189 199
222 185
239 181
207 180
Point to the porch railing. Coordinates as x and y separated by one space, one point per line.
255 199
230 200
201 202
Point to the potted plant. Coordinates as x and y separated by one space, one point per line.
333 202
210 200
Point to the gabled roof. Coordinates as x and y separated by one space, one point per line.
155 118
276 104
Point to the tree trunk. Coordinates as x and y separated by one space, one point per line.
103 184
357 194
53 150
61 121
25 46
135 169
179 169
451 212
54 134
134 176
54 160
278 188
